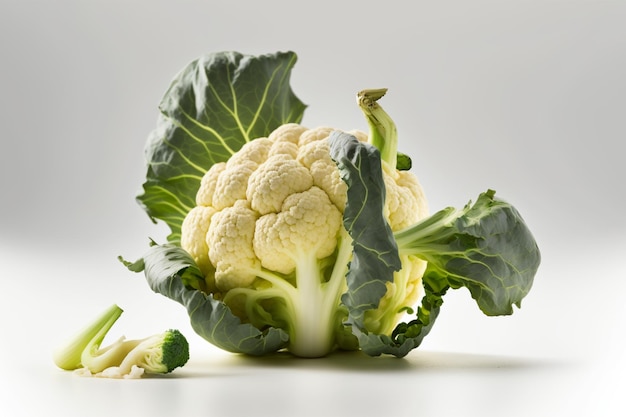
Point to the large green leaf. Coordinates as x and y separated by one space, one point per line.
171 272
213 107
485 247
375 254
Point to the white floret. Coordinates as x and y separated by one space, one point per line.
255 151
315 156
289 132
307 226
404 201
274 181
229 239
193 237
204 196
232 183
314 135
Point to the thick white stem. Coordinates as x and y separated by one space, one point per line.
316 303
312 333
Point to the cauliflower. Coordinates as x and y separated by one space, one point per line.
310 240
267 234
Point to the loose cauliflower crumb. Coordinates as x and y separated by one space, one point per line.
114 372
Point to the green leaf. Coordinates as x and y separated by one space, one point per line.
375 254
360 167
168 268
486 247
403 162
213 106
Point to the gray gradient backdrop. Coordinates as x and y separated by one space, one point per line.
525 97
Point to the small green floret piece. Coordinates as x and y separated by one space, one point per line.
162 353
157 354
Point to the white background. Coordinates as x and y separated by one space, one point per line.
526 97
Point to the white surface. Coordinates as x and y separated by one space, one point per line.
562 354
526 97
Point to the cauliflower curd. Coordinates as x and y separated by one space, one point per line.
271 216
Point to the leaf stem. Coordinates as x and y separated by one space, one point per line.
383 132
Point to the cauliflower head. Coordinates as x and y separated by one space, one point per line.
267 234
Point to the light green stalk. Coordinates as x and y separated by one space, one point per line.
383 132
69 357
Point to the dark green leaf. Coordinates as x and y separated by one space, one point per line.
168 267
212 108
486 247
375 255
